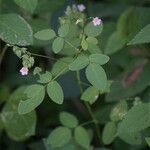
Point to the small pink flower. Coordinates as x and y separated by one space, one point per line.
24 71
81 7
96 21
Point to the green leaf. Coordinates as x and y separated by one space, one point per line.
35 95
91 30
115 42
63 30
18 127
84 44
92 40
94 49
46 34
79 63
96 76
99 59
136 120
119 111
59 137
141 37
90 94
28 5
45 78
58 45
15 30
61 64
147 139
55 92
81 136
109 133
68 119
132 138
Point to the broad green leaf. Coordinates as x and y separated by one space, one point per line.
147 139
91 30
141 37
99 59
119 111
68 119
128 23
92 40
115 42
58 45
55 92
79 63
84 44
59 137
90 94
136 120
28 5
94 49
35 95
15 30
109 133
45 78
46 34
96 76
63 30
18 127
131 138
62 65
81 136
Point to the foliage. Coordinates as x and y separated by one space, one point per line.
84 75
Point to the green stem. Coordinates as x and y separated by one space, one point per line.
89 108
3 53
87 123
72 45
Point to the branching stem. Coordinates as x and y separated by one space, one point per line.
94 119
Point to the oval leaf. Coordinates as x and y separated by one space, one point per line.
109 133
63 30
35 94
90 94
18 127
15 30
46 34
91 30
136 120
96 76
68 120
82 137
99 59
55 92
59 137
45 78
79 63
141 37
58 45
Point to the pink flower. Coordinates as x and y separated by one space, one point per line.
81 7
96 21
24 71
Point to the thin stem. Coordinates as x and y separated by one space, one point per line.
89 108
44 56
3 53
87 123
48 57
71 45
60 73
